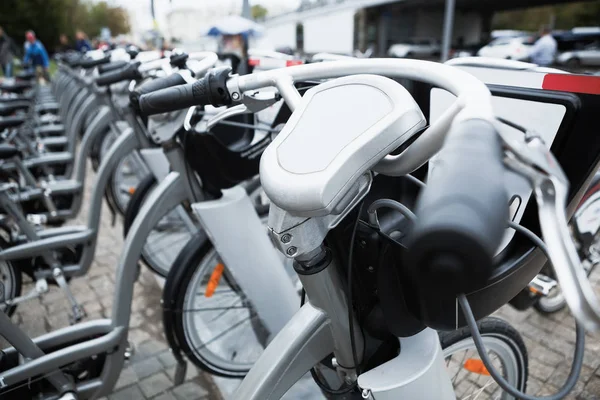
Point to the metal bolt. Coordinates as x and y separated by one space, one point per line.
291 250
235 95
366 394
363 243
286 238
370 268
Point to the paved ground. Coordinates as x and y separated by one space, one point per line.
149 374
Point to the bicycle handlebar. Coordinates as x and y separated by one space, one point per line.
205 91
155 85
102 69
463 210
129 72
91 63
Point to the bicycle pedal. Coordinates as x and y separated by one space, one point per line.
41 286
37 219
542 285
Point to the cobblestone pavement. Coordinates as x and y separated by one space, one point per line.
550 342
149 373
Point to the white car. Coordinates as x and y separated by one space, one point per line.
418 47
516 48
589 56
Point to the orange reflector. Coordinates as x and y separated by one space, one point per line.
533 290
254 62
476 366
291 63
131 190
213 282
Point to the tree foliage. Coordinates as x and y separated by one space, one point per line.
50 18
563 16
258 12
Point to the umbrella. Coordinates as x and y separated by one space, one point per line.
235 25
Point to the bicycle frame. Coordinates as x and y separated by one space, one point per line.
322 326
86 236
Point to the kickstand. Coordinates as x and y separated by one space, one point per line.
180 371
78 311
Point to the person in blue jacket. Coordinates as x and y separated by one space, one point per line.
82 44
36 55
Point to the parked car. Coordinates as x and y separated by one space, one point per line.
588 56
515 48
417 47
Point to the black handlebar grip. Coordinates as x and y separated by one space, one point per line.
127 73
174 98
461 214
211 89
102 69
91 63
153 86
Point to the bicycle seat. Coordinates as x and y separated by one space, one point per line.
11 122
8 151
10 108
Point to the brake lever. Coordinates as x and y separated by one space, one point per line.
533 160
250 105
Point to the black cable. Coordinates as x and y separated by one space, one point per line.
531 236
512 124
349 292
328 390
416 181
302 297
187 167
507 387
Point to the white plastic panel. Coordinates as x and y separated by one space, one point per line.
340 129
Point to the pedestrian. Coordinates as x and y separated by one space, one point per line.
8 49
64 44
82 44
544 50
36 55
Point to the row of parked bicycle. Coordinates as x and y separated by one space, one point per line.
376 261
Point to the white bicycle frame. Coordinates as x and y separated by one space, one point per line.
321 326
236 233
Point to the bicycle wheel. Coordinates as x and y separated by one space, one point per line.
168 237
176 228
10 286
585 227
505 348
125 178
215 324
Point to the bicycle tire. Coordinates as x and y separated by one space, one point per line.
7 267
144 188
180 280
496 332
